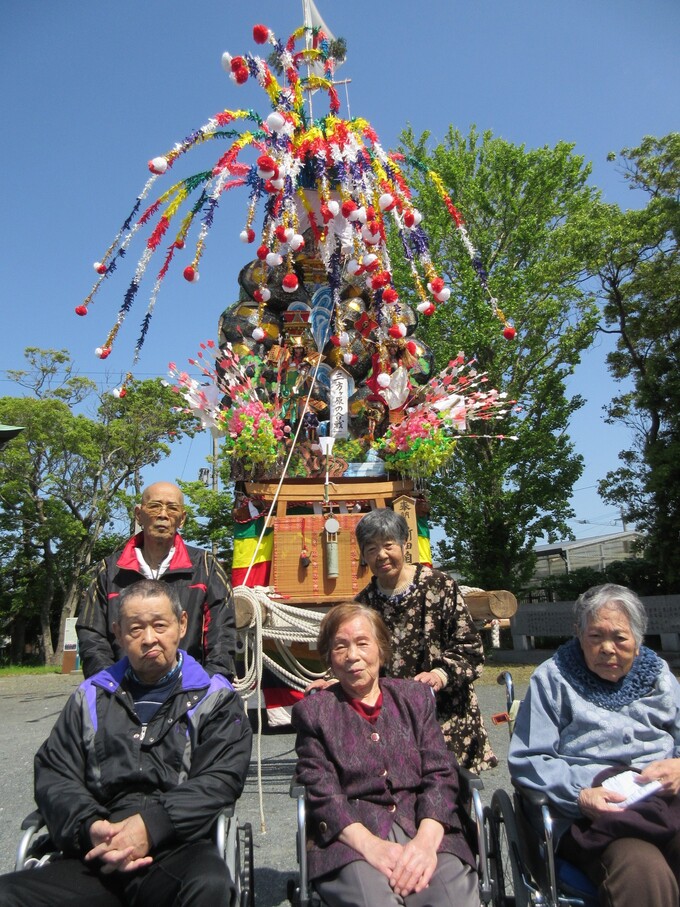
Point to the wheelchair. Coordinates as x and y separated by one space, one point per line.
300 891
523 867
234 843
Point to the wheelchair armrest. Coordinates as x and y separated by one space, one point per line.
534 798
469 779
33 820
296 789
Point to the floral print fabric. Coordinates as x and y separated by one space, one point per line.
431 628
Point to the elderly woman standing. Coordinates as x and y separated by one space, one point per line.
434 640
381 786
602 704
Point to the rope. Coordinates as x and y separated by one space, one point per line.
271 620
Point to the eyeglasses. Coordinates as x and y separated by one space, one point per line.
155 508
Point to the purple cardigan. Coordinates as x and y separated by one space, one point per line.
396 770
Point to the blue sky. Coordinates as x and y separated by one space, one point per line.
93 89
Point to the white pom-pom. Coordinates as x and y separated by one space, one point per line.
158 165
343 337
353 266
443 295
273 259
333 207
98 352
372 239
226 61
417 217
278 183
386 202
276 121
265 294
384 380
258 334
369 259
116 392
297 242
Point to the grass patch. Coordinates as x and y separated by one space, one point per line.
20 670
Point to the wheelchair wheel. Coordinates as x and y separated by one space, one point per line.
505 867
245 834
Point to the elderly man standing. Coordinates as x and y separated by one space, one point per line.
159 551
135 772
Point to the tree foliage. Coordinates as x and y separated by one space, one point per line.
639 279
63 481
527 212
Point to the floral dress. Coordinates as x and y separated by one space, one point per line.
431 628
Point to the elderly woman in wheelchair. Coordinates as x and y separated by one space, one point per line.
599 733
381 786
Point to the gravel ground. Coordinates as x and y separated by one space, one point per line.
30 704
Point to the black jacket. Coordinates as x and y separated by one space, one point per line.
97 763
204 591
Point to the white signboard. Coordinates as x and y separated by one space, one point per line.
339 421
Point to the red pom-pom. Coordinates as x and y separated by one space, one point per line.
347 207
100 267
248 235
335 340
280 233
260 34
397 331
426 308
262 294
411 347
390 295
179 243
104 353
409 219
290 283
509 332
266 166
241 75
437 285
237 63
81 310
122 392
262 253
380 279
190 274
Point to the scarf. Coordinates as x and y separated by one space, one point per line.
638 682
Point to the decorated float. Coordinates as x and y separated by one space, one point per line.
326 401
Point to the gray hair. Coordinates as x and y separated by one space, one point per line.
151 588
610 595
382 525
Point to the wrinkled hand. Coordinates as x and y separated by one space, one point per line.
320 684
121 846
667 771
384 856
431 679
595 800
415 867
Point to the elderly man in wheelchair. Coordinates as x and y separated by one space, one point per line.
599 733
133 778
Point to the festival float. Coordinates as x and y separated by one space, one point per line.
326 401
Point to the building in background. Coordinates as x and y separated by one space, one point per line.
596 552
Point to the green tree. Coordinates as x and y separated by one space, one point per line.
210 521
639 279
63 481
528 213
